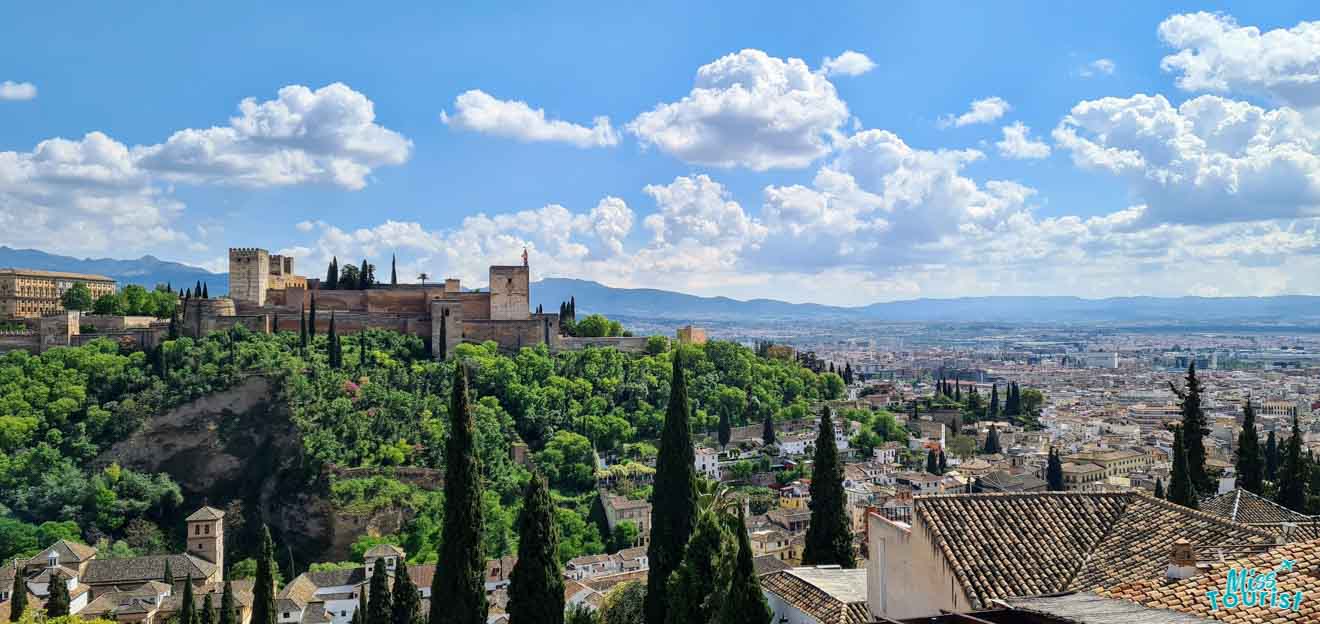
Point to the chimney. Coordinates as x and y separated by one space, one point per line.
1182 561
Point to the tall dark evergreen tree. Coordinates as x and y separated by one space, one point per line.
364 276
444 335
206 293
1181 489
168 576
994 400
263 589
405 603
380 608
1054 472
1271 458
942 463
394 270
992 441
744 603
768 429
302 330
1159 487
931 465
673 498
829 536
18 599
536 587
332 275
1194 429
311 320
207 614
1292 480
1250 464
187 606
694 588
726 429
458 591
57 597
228 612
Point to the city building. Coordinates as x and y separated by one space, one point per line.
29 293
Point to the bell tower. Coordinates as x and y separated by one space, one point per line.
206 535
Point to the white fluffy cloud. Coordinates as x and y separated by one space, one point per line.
1018 144
748 109
1208 160
17 91
850 63
1215 54
1098 67
97 194
981 111
478 111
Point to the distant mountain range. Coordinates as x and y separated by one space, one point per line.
650 303
146 271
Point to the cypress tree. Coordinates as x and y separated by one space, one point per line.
943 465
332 275
302 330
1159 487
1181 489
1271 458
332 344
829 537
405 603
207 616
57 599
694 587
228 614
206 294
364 276
744 603
1194 429
1054 472
444 336
458 591
360 614
994 400
394 271
768 429
19 600
168 577
1292 481
1249 461
673 499
380 609
536 587
726 429
263 589
197 290
311 320
186 607
992 441
931 465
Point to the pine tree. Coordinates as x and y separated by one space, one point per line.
768 429
992 441
994 400
263 589
458 591
405 603
931 465
1249 461
1054 472
332 275
1159 487
19 600
693 589
1292 481
1181 489
744 603
726 429
1271 458
1194 429
186 607
207 616
394 271
380 609
536 587
673 498
228 613
57 598
829 537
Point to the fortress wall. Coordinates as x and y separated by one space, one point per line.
510 334
109 323
20 341
629 344
257 323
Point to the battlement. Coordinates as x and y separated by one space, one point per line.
247 251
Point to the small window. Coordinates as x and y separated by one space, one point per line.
286 615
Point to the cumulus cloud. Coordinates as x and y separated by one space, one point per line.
981 111
751 110
97 194
1098 67
1207 160
17 91
849 63
1216 54
1018 144
478 111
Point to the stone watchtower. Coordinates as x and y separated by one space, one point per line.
206 535
510 293
249 275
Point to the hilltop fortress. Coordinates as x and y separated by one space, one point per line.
266 295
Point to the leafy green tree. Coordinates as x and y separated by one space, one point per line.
263 589
1181 489
829 538
1194 429
405 604
458 592
1054 472
187 608
624 535
674 501
580 614
625 604
1292 481
77 297
536 587
744 602
380 608
569 462
694 590
1250 464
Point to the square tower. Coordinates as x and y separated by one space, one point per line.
510 293
206 535
249 275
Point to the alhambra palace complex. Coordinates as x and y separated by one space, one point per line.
266 295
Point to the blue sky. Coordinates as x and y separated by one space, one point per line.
1148 149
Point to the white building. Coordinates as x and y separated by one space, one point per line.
708 463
